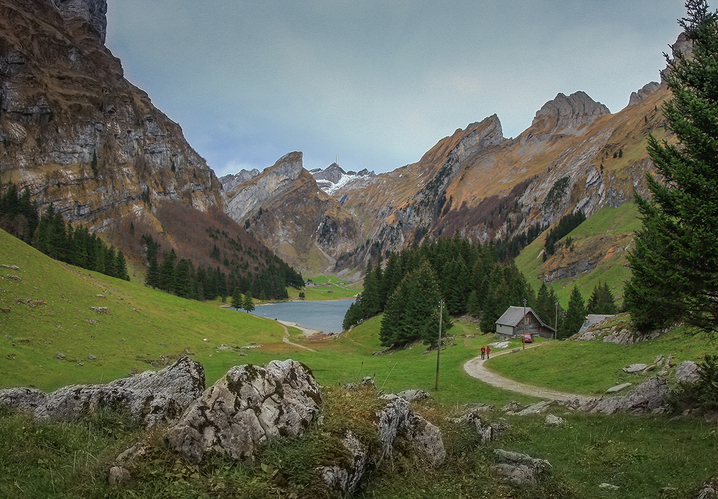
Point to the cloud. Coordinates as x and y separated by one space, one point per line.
377 83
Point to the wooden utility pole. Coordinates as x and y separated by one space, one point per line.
438 348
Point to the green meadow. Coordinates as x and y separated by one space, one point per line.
61 325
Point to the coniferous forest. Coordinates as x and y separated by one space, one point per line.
468 278
169 273
49 234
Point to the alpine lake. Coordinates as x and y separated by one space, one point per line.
323 316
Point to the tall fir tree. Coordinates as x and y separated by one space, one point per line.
236 302
575 314
601 301
675 260
248 302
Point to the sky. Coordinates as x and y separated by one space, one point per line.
376 83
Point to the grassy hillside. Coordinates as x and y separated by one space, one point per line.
603 238
51 310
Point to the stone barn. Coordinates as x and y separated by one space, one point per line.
520 320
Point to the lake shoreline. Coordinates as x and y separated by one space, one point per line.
311 317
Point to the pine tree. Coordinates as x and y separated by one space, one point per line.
601 301
675 260
121 266
237 301
248 302
545 304
575 315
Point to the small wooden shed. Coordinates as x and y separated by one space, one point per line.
522 320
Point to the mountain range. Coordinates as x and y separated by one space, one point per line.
78 135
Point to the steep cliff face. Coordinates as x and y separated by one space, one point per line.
285 209
78 134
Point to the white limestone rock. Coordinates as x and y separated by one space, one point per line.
246 408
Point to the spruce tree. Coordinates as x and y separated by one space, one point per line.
456 285
121 266
575 315
675 260
248 302
545 304
601 301
411 312
236 302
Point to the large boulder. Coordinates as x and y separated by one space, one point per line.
397 419
688 372
150 397
520 469
343 478
651 396
246 408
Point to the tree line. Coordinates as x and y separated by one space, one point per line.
469 278
51 235
167 272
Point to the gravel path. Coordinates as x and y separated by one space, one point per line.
476 368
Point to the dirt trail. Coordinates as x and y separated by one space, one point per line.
286 337
475 368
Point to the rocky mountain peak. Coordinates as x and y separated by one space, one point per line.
230 181
272 182
94 12
333 177
478 136
565 115
333 173
643 93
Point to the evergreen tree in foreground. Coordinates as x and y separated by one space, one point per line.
575 315
675 260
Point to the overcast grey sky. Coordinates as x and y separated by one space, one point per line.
376 82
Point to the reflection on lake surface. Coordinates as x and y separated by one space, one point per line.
326 316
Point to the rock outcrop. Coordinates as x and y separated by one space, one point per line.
642 94
344 478
230 181
246 408
567 115
688 372
650 397
150 397
520 469
397 419
94 12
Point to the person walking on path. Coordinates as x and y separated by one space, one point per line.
483 353
488 352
